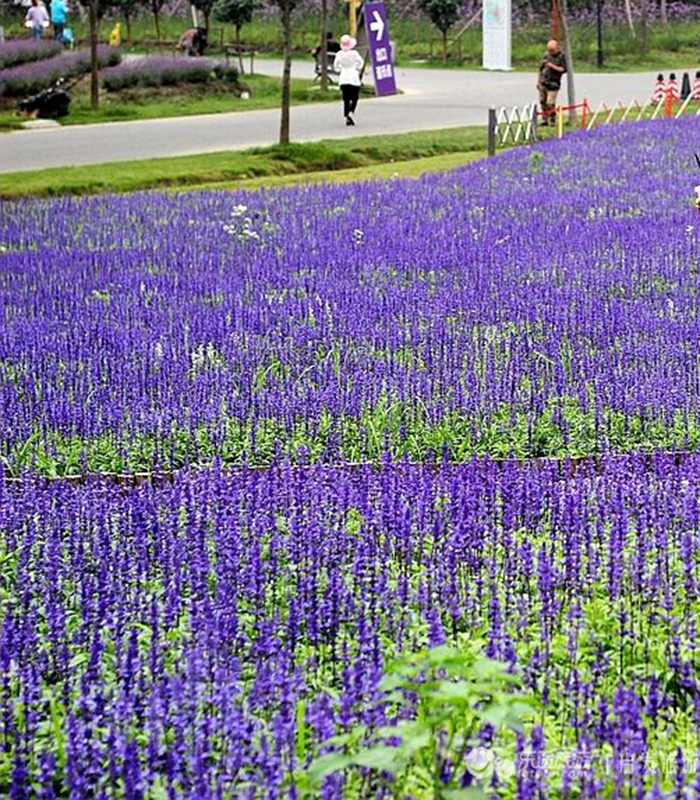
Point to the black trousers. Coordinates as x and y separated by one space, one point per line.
351 94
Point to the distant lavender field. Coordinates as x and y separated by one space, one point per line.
158 71
20 51
435 526
36 75
524 13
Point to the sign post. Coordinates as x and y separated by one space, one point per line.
496 30
352 16
377 27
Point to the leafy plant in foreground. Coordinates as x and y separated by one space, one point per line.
448 704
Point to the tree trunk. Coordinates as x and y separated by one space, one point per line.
630 21
570 83
444 47
156 19
324 46
645 38
94 65
129 39
238 47
664 12
287 71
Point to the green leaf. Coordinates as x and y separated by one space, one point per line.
439 655
382 757
326 765
340 740
413 743
388 730
301 730
390 682
471 793
455 690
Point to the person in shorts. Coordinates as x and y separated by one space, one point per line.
553 66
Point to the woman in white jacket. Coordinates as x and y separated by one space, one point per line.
349 64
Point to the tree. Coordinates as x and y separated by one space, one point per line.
286 7
443 14
94 65
237 13
156 6
570 83
323 53
96 10
206 7
630 19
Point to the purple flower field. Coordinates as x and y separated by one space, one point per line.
158 71
208 638
20 51
426 518
542 308
39 74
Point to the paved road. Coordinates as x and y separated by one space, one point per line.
432 98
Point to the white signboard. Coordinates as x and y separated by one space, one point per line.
496 28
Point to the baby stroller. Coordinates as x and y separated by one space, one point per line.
50 103
318 67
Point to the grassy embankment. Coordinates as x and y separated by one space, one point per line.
362 158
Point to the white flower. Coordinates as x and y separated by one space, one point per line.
242 226
480 762
358 236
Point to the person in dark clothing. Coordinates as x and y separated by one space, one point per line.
331 46
553 66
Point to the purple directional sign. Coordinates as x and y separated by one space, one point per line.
377 26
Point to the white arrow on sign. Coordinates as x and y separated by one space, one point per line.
377 25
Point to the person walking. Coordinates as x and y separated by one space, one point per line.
58 19
348 63
553 66
37 19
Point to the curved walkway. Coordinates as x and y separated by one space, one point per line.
432 98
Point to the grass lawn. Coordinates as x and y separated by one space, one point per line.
178 101
404 155
413 168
